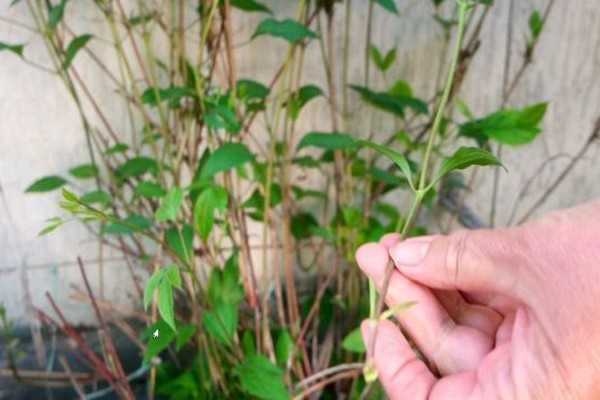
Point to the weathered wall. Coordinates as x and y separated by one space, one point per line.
40 132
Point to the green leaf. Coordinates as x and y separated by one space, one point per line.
129 225
221 323
389 102
55 14
510 127
139 19
222 116
173 95
210 200
535 24
117 148
96 196
396 157
156 345
463 158
149 189
262 379
165 303
76 44
46 184
353 342
84 171
185 332
283 347
401 89
181 244
173 276
382 63
250 6
388 5
151 285
53 223
170 205
231 288
226 157
251 90
136 166
327 140
288 29
15 48
306 93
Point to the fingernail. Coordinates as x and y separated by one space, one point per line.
410 253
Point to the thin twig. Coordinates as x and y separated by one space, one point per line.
74 383
593 136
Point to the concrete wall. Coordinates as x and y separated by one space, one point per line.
41 134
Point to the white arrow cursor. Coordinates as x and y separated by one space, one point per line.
155 334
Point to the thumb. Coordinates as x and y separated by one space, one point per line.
480 260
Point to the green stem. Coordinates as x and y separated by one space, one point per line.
370 374
462 15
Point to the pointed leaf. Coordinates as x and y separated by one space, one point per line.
353 342
288 29
85 171
76 44
396 157
53 223
170 205
389 102
388 5
46 184
209 201
327 140
226 157
250 6
181 242
463 158
165 303
136 166
262 379
55 14
173 276
151 285
15 48
149 189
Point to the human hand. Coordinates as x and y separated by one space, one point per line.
502 314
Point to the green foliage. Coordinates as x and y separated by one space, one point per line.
511 127
396 157
137 166
76 44
84 171
260 378
56 14
382 63
535 24
287 29
226 157
211 200
388 5
46 184
250 5
163 281
14 48
353 342
465 157
207 164
389 102
170 205
327 140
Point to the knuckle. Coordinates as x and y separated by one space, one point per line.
457 252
